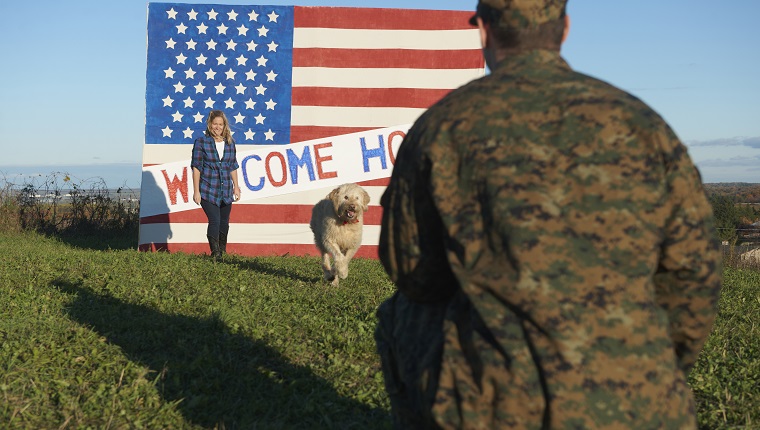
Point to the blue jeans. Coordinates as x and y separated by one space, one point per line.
218 218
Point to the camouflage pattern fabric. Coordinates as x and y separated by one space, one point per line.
555 259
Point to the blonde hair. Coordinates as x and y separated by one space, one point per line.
226 132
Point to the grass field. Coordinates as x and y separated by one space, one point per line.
117 339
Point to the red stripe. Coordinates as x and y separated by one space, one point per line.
367 97
387 58
256 214
381 19
257 249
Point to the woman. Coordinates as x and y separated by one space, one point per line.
215 179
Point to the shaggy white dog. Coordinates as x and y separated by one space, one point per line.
337 223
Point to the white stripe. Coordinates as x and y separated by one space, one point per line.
376 117
385 39
383 78
242 233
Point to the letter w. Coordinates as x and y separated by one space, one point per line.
175 185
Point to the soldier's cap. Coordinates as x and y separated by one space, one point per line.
522 13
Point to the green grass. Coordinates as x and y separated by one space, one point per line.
92 337
123 339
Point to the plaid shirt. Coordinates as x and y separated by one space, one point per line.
216 182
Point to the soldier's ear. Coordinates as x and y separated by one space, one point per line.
567 28
482 28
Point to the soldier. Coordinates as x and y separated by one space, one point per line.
552 246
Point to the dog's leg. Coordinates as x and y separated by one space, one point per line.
343 268
327 269
338 261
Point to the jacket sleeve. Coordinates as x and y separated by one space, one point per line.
688 278
412 245
197 157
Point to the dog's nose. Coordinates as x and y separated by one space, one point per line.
351 207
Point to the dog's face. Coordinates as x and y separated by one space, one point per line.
350 202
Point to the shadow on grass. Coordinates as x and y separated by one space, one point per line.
100 240
255 265
224 380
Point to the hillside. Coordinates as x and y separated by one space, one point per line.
740 192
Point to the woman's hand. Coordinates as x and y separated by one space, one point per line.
236 193
197 197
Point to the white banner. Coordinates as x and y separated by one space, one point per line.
274 170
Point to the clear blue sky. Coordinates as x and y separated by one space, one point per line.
72 84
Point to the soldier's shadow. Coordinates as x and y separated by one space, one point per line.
222 379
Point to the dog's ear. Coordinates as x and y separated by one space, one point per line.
334 197
365 200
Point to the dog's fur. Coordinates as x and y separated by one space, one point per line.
337 223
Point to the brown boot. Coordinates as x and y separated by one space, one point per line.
222 243
213 243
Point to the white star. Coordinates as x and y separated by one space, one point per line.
239 118
212 14
198 117
221 59
172 13
231 45
210 74
211 44
167 132
229 103
222 29
250 75
273 17
199 88
201 59
232 15
191 44
189 102
271 104
170 43
260 90
271 75
240 89
209 103
262 61
192 14
181 58
263 31
241 60
249 134
253 16
259 119
230 74
178 87
202 28
190 73
187 133
168 101
181 28
220 89
269 135
177 116
242 30
169 73
273 47
250 104
252 45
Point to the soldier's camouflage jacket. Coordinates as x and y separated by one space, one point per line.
555 258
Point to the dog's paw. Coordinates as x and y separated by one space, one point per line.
335 281
343 272
329 276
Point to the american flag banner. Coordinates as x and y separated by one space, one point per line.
282 75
